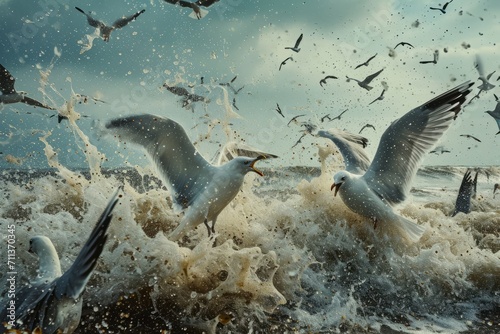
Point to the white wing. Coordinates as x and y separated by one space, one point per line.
234 149
408 139
184 170
351 146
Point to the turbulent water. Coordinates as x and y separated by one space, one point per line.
289 257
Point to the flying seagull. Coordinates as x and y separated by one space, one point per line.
297 43
9 93
440 150
284 62
323 81
351 146
434 60
470 136
53 302
366 82
234 104
387 181
403 44
443 9
380 98
465 193
105 30
199 188
278 109
294 119
366 126
188 97
366 62
340 115
486 85
300 140
496 115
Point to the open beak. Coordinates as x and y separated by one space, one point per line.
337 187
252 164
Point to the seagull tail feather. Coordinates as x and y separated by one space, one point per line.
412 230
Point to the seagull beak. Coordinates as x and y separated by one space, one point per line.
252 164
337 187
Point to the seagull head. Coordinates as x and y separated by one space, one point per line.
246 164
338 180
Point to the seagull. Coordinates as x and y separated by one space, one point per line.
402 147
380 98
366 126
365 83
294 119
188 97
323 81
234 104
322 119
496 115
284 62
351 146
434 61
366 62
443 9
195 6
199 188
278 109
440 150
465 193
105 30
340 115
9 93
470 136
486 85
300 140
403 44
297 43
53 302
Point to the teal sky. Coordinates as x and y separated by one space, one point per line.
247 39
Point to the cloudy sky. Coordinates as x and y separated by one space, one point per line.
247 39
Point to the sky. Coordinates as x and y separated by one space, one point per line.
246 39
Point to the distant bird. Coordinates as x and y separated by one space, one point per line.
366 62
53 302
234 103
380 98
297 43
323 81
443 9
105 30
278 109
299 141
366 126
486 85
294 119
9 93
365 83
403 44
228 83
284 62
434 61
496 115
340 115
327 116
389 177
188 97
466 191
195 6
470 136
440 150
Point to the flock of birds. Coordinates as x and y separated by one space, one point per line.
368 187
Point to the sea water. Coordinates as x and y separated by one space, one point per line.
289 257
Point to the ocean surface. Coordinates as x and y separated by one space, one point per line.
289 257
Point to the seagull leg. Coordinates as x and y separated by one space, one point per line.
208 227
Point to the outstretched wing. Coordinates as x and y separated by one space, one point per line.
184 170
122 22
406 141
369 78
6 81
90 20
351 147
464 194
235 149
